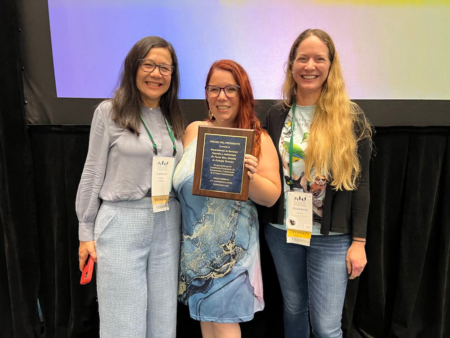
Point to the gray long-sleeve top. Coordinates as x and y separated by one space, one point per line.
119 163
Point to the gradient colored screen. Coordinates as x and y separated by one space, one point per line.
389 49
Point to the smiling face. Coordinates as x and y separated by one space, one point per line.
153 85
310 67
223 108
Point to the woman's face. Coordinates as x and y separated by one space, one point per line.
311 66
224 108
152 85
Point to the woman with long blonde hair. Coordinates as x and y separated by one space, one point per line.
324 147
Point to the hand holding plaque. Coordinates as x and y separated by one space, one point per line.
219 164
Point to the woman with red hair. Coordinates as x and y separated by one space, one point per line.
220 275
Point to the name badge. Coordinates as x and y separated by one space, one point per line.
162 173
299 219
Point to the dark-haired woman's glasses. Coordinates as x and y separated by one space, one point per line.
230 90
149 66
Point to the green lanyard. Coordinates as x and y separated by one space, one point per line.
291 145
155 149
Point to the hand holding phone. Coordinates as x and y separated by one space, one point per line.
86 275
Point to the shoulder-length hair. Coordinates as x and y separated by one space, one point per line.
126 103
246 118
333 139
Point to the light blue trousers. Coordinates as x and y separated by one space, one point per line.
137 272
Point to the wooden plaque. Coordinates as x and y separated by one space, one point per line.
219 163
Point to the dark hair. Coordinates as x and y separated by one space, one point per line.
126 103
246 118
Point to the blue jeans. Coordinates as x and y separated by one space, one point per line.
313 278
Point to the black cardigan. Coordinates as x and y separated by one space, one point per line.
344 211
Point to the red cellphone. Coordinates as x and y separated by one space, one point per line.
86 276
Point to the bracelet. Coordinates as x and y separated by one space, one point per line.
357 240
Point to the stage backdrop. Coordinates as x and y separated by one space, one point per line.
389 49
394 53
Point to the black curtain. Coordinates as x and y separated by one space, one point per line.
19 257
402 293
69 309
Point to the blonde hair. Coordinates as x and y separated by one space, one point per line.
333 138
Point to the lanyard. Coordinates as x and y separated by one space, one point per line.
155 149
291 145
291 148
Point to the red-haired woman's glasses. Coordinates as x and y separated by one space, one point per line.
149 66
230 90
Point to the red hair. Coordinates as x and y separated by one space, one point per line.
246 118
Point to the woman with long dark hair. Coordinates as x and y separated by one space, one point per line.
324 146
129 221
220 275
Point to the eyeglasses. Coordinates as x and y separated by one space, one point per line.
230 90
149 66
